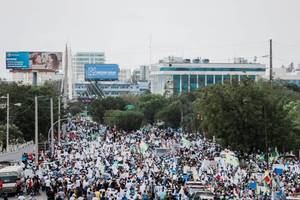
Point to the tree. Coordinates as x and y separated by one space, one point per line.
15 135
97 110
99 106
75 108
246 116
125 120
150 105
23 116
170 114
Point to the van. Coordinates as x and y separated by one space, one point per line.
11 179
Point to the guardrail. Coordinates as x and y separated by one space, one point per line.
17 147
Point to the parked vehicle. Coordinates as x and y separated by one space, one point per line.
11 179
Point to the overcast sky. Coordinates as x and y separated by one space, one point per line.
215 29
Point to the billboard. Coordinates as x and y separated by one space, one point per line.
101 72
34 60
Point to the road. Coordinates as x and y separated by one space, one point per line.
17 154
40 197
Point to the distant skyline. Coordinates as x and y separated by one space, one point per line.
214 29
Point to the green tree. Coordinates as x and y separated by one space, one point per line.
246 116
125 120
171 114
150 105
75 108
99 106
15 135
23 116
97 110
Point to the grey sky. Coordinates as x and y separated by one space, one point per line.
217 29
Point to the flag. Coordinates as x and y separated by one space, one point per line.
267 178
278 169
232 160
274 155
185 143
252 185
143 147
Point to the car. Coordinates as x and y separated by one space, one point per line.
202 195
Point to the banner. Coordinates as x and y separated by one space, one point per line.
34 60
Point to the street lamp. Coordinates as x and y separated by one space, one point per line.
36 125
7 118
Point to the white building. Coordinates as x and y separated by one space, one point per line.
27 77
110 88
174 76
125 75
79 59
287 75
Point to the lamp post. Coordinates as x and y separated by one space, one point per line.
7 118
7 122
36 127
36 132
52 135
58 120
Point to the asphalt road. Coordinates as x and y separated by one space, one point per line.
40 197
17 154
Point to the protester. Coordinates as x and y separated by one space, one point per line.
94 162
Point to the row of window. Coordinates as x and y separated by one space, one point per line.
186 83
219 69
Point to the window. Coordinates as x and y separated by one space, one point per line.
193 82
218 79
243 77
201 81
176 84
235 78
251 77
185 83
210 79
226 78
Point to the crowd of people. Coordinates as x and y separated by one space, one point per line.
94 162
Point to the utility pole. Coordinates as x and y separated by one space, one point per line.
36 132
271 62
59 120
52 137
7 123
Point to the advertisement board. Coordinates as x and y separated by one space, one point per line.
17 60
101 72
34 60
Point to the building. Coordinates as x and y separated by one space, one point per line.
144 73
175 75
125 75
79 59
110 88
141 74
34 77
287 74
136 75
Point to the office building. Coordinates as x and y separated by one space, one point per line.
125 75
287 74
144 73
136 75
109 88
175 75
33 77
79 59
